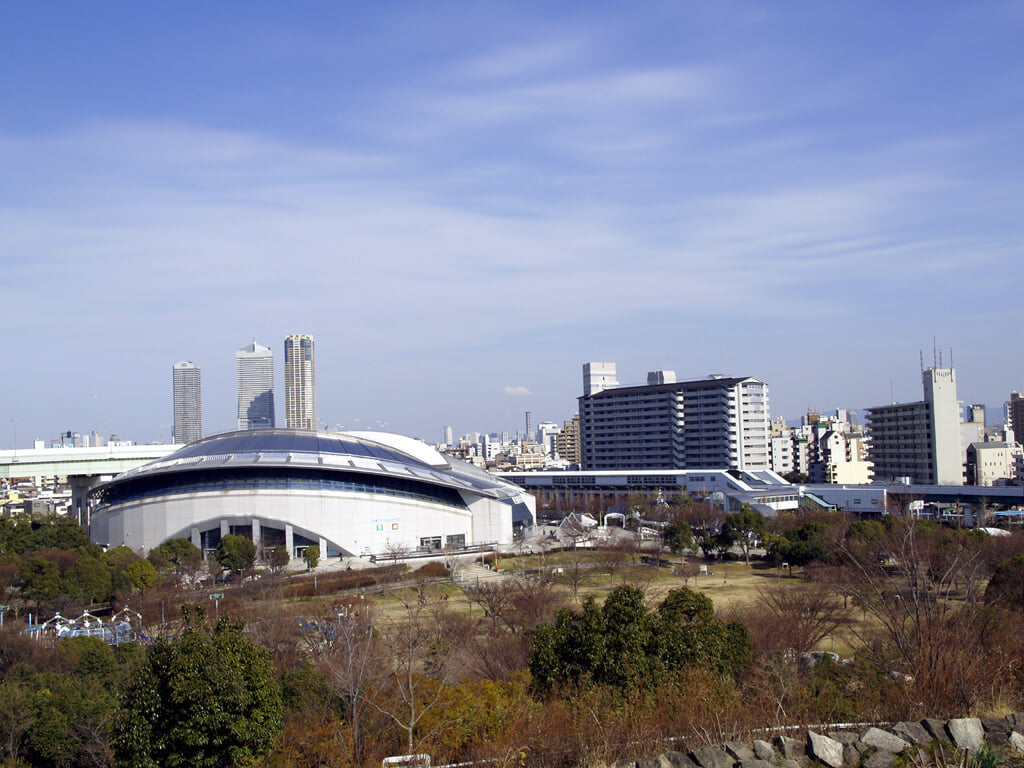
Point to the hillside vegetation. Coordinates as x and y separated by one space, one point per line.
559 658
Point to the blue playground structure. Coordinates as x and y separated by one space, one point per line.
123 627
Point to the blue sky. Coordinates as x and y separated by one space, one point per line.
463 202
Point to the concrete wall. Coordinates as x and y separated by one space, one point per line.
351 523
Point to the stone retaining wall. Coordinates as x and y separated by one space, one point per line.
867 748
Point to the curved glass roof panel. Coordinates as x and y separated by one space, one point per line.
284 442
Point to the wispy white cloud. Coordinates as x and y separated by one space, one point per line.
514 206
535 58
517 391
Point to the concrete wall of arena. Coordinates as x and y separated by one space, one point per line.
491 520
351 523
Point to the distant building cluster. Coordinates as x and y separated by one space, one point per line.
254 364
823 449
722 422
713 423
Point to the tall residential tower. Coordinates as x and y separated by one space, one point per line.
188 403
713 423
255 386
299 382
919 440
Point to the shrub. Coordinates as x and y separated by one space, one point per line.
432 570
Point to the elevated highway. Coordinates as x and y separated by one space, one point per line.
83 467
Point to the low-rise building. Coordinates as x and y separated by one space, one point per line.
992 463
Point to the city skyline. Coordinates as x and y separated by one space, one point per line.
489 196
255 370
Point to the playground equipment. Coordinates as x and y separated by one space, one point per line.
122 627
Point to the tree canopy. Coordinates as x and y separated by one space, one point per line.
312 556
625 644
236 553
803 545
744 528
201 699
1006 586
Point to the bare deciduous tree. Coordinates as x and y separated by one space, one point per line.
575 571
418 645
921 585
497 600
794 617
706 523
347 656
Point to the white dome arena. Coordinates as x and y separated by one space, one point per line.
350 493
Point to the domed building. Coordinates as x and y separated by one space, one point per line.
350 493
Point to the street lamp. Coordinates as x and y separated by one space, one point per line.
217 597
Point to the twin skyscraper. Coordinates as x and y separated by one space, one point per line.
255 367
256 384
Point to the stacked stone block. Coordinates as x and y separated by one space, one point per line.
871 747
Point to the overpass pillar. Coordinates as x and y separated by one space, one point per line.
80 487
257 537
289 540
974 515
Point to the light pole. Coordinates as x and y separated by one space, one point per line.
216 597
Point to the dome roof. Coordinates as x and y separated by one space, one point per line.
365 452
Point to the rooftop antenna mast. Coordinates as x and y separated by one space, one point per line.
934 354
922 360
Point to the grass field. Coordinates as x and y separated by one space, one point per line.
732 586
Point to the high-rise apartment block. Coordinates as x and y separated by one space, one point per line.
567 442
299 382
255 386
188 402
919 440
713 423
1015 416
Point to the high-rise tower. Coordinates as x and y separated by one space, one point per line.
255 386
299 382
188 402
713 423
919 440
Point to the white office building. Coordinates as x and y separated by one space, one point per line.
992 463
255 386
547 434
